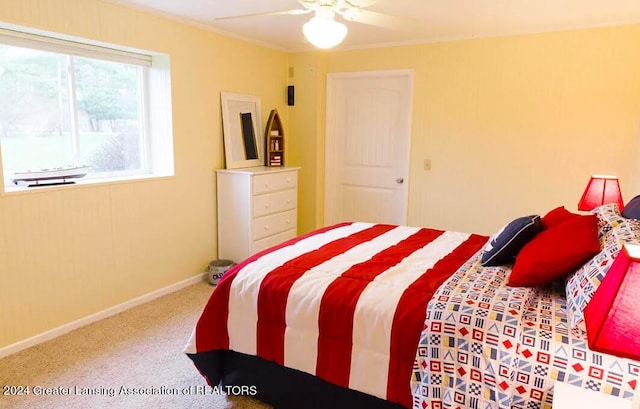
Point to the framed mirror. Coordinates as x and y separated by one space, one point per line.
242 130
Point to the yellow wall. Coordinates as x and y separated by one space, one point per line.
71 252
512 125
306 134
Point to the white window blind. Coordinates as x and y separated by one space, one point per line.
46 43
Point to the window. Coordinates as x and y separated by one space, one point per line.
65 103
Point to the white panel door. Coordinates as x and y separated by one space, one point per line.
367 146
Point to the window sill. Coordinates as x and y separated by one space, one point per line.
80 184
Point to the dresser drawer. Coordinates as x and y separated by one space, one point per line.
274 202
272 182
270 225
271 241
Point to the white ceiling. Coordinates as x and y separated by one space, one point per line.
434 20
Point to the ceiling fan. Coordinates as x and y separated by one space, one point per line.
323 30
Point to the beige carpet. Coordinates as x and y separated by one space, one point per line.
139 348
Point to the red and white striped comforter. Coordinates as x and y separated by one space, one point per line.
345 303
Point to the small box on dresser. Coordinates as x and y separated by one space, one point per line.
257 209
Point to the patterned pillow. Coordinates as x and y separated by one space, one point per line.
608 217
582 284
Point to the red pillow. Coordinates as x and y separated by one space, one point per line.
556 216
556 251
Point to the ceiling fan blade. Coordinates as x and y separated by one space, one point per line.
381 20
293 12
363 3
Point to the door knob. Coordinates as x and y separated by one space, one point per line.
400 181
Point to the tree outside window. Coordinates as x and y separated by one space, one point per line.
58 110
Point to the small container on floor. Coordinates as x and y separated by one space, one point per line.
216 270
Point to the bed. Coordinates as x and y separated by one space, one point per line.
362 315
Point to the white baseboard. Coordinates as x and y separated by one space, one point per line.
116 309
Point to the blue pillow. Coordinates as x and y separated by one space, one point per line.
503 246
632 209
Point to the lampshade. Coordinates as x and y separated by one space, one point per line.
323 31
612 316
601 190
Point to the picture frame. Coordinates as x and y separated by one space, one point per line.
242 130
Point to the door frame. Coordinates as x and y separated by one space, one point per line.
330 176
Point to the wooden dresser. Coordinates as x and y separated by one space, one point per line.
257 208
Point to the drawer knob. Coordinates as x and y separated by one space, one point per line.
266 227
266 205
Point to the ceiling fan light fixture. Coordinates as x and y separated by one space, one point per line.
324 32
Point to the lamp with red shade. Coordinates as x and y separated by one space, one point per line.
612 317
601 190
